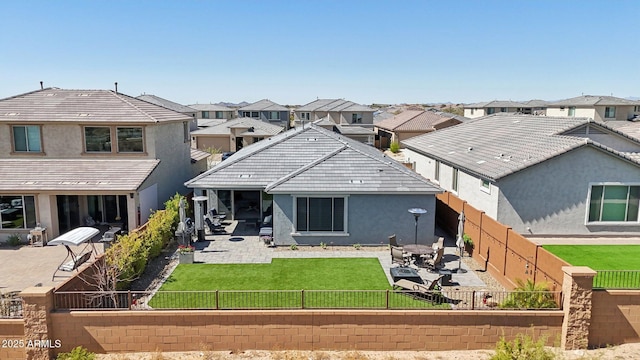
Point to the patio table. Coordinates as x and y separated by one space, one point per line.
417 250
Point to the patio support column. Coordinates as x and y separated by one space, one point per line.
132 212
577 289
37 307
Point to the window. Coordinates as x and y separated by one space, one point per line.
185 131
485 185
610 112
503 109
356 118
436 172
255 115
320 214
219 114
273 115
246 114
491 111
205 114
454 180
572 111
305 116
26 138
472 110
614 203
256 139
130 140
97 139
636 109
17 212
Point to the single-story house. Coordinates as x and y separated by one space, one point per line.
410 123
320 186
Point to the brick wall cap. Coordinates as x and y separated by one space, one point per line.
579 271
36 291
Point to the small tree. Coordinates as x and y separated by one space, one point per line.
394 147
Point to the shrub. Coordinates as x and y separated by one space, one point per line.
357 246
323 244
14 240
78 353
293 247
394 147
529 295
467 241
522 347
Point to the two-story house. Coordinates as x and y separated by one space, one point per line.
233 135
540 175
337 111
599 108
214 111
476 110
171 105
266 110
67 155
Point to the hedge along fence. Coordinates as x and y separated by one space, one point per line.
507 255
130 254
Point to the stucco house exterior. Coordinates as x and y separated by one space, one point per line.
410 123
213 111
66 155
171 105
337 111
599 108
531 107
320 186
233 135
541 175
268 111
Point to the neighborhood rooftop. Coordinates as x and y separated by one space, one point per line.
264 105
501 144
255 128
85 106
590 100
165 103
315 159
413 120
333 105
210 107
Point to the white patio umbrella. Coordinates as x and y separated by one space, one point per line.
460 240
182 228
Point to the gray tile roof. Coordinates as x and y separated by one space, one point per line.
197 155
337 105
74 175
498 145
537 103
166 103
224 128
414 120
210 122
313 159
264 105
354 130
591 100
85 106
211 107
496 103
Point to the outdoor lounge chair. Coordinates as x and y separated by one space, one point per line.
418 290
214 226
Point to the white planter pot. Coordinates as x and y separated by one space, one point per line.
186 258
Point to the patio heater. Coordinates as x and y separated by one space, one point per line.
199 213
416 214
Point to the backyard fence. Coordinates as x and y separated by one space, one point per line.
617 279
309 299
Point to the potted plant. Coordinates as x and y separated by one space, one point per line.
468 244
185 254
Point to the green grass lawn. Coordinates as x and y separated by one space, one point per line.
599 257
278 285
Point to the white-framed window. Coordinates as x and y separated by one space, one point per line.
610 112
205 114
356 118
491 111
17 212
485 185
219 114
436 171
273 115
26 138
320 214
572 111
97 139
454 180
613 203
130 140
305 116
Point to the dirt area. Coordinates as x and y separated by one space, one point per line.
621 352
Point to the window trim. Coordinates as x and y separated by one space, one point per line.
205 114
219 114
117 149
572 111
608 110
356 118
436 171
270 115
600 222
455 180
305 115
84 138
296 232
485 188
25 126
24 212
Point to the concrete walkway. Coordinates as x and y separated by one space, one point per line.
242 246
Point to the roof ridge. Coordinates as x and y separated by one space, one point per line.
27 93
305 167
122 97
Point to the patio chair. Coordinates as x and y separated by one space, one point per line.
393 241
398 256
438 244
214 227
421 291
432 263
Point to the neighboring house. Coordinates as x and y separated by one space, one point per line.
357 133
66 155
412 123
172 106
268 111
233 135
599 108
535 107
214 111
476 110
319 186
541 175
338 111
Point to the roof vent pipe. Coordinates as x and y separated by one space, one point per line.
116 83
41 85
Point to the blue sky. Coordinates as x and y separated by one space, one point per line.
293 52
